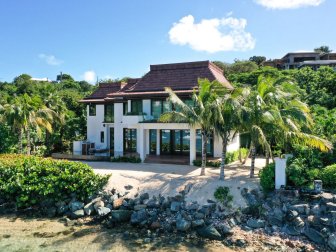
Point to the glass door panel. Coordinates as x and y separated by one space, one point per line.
111 141
152 141
185 142
177 141
165 142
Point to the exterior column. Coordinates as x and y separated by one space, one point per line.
118 130
129 104
141 143
192 145
158 142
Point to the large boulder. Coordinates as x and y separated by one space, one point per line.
182 225
256 223
77 214
197 223
175 206
332 241
331 206
89 208
117 203
121 215
139 217
314 235
301 208
209 232
327 197
103 211
76 205
98 204
139 207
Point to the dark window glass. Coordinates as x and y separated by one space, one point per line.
210 146
189 102
130 140
92 109
166 106
109 113
156 108
136 107
152 141
102 136
125 106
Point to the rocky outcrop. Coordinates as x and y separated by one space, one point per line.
295 213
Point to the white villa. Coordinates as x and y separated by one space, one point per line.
122 117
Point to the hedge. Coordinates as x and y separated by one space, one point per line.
30 180
230 157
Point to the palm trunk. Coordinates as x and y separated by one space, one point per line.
20 140
253 157
248 154
204 145
267 157
240 156
28 141
222 175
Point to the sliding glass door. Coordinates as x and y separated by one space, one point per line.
175 142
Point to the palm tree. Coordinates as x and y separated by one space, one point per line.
275 111
54 103
201 114
11 114
27 112
230 110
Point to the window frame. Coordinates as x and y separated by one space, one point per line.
136 112
92 109
110 120
132 133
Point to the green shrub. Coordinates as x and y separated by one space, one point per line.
296 173
222 194
230 157
210 163
29 180
267 177
328 176
125 159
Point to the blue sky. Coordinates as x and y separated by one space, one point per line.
113 39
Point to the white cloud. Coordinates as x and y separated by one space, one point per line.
288 4
212 35
50 59
90 76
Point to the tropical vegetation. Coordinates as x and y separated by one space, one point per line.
275 111
29 180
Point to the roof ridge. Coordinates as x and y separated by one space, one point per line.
180 65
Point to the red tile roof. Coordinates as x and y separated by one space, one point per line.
181 77
103 90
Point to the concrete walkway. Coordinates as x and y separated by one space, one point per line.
168 180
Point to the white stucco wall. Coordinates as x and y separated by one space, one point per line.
118 130
232 146
95 126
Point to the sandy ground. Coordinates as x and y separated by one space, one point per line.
168 180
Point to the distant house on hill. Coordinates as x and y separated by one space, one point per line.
296 60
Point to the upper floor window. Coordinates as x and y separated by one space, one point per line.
125 108
109 113
136 107
162 106
92 109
